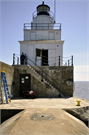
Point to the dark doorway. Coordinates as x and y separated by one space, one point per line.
25 83
44 57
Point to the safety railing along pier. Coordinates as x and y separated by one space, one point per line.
55 61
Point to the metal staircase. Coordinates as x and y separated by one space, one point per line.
43 76
40 74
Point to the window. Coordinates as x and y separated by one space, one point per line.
38 52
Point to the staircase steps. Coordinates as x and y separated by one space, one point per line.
37 74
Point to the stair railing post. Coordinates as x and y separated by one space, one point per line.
35 60
17 60
59 60
41 57
13 58
24 25
68 62
42 76
27 59
72 60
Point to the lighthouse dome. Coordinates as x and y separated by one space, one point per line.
43 9
43 14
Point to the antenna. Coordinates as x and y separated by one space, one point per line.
54 11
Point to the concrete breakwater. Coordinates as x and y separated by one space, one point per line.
80 113
46 115
49 116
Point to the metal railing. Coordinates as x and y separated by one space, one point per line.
55 61
43 74
40 71
41 26
49 12
67 61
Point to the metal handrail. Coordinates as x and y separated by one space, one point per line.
43 74
45 77
69 62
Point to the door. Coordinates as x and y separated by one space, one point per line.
44 57
25 83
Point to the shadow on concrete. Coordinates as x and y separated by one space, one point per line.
21 98
8 113
80 113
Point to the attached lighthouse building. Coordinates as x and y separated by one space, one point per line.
42 38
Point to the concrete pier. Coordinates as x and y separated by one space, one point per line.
63 103
45 116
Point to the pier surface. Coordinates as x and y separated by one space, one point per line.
44 116
62 103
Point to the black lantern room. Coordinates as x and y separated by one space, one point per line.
43 9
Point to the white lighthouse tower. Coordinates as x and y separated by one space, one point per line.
42 38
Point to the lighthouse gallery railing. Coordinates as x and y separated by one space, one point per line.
42 26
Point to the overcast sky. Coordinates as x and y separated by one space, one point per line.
73 16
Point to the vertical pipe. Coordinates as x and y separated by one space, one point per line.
42 76
59 60
68 62
54 11
17 60
60 26
41 56
72 60
27 60
13 58
35 60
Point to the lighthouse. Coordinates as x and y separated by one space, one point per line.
42 38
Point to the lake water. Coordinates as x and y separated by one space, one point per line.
81 89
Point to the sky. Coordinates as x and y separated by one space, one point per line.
73 16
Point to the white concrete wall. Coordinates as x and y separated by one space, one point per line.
57 34
54 51
23 48
30 35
